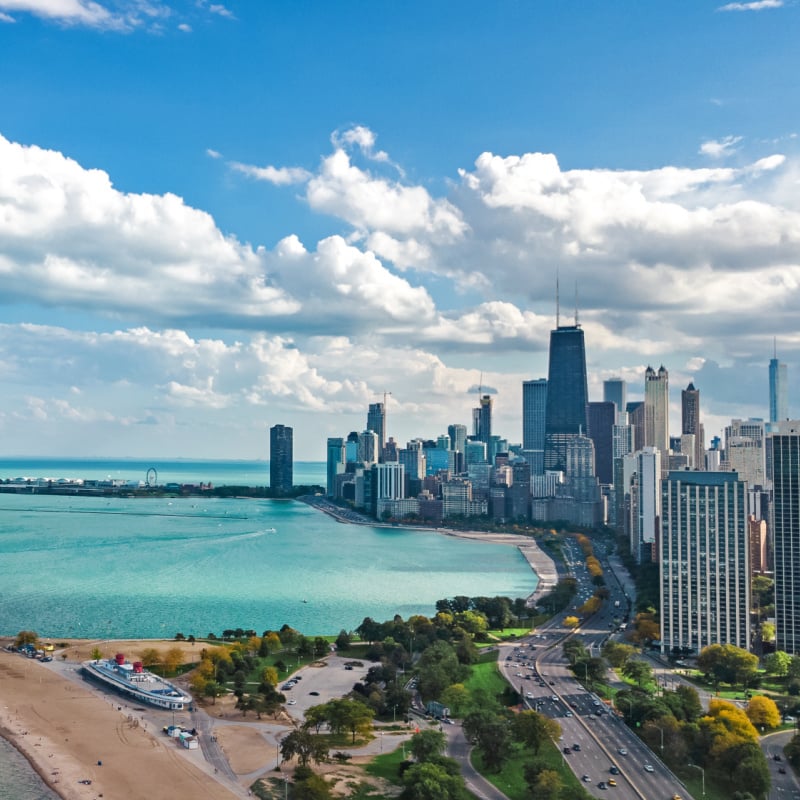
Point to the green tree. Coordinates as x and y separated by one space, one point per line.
430 781
427 745
617 653
767 631
492 733
533 729
149 657
457 698
305 745
777 663
640 672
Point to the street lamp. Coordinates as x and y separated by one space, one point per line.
703 776
661 731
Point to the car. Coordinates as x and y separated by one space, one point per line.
568 714
676 797
782 770
554 698
297 678
552 683
586 779
614 770
622 751
777 757
529 695
601 785
291 702
315 693
566 750
649 768
612 782
576 748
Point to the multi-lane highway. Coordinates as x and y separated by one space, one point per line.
595 742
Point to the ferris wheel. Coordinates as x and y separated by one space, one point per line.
151 480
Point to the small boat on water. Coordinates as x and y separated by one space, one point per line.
135 681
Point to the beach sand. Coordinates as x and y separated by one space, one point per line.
65 728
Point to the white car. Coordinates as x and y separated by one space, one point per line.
648 768
291 702
622 751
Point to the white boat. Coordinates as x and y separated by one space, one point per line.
135 681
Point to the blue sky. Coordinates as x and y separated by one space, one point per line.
219 216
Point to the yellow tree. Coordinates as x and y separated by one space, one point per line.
761 710
173 658
269 675
149 657
571 622
273 642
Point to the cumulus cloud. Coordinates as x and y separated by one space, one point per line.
72 12
717 148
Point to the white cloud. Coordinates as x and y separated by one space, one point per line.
282 176
185 28
757 5
717 148
76 12
213 153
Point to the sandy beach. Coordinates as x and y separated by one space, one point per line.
65 727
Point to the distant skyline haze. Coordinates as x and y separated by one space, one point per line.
216 218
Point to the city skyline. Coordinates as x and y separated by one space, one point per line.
217 217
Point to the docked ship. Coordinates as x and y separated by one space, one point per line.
135 681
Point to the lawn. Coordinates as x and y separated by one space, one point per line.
511 780
387 766
486 676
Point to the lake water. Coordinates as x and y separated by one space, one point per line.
91 567
143 568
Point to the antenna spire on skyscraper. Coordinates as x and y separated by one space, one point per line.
576 304
558 307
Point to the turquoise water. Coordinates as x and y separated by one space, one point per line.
141 568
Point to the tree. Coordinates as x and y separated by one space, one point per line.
777 663
430 781
762 710
427 745
492 734
149 657
571 622
345 714
173 658
617 653
213 690
547 785
533 729
321 647
767 631
26 637
97 653
343 640
305 745
457 698
640 672
269 675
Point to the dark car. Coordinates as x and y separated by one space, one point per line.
316 694
777 757
782 770
614 771
566 750
576 748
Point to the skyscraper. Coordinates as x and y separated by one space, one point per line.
281 459
778 391
482 419
458 436
376 421
656 410
784 459
705 561
600 422
567 394
690 423
534 408
335 463
615 391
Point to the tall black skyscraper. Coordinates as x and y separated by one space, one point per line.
281 459
376 421
601 418
567 394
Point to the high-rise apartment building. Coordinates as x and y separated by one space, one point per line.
534 409
281 459
567 394
636 421
368 450
376 421
705 561
615 391
783 447
656 410
745 450
690 425
778 391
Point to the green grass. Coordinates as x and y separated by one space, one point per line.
511 780
486 676
387 766
509 633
